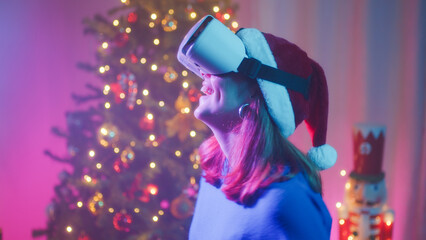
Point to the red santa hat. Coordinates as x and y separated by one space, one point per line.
287 107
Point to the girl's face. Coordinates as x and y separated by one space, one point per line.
224 94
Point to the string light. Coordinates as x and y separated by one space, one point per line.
122 95
101 69
161 212
171 11
216 9
192 133
161 103
153 16
156 41
79 204
122 60
154 67
111 210
186 110
155 218
152 165
338 204
151 24
178 153
123 1
185 84
69 229
347 186
155 144
87 178
143 60
343 173
91 153
226 16
184 73
193 15
128 30
234 24
341 222
149 116
195 166
132 143
192 180
105 45
145 92
152 137
107 105
115 22
137 210
116 150
98 165
106 68
138 101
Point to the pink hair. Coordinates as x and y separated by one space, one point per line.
259 157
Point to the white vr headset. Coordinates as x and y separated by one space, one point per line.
210 47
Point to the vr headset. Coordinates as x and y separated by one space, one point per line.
210 47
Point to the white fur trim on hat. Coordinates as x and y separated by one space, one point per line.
276 96
324 156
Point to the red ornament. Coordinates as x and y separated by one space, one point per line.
83 236
133 58
182 207
132 18
120 165
194 95
121 39
122 221
146 124
117 90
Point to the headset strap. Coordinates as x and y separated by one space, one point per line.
253 68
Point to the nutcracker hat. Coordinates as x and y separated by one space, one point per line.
293 85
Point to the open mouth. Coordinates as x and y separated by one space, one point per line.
207 90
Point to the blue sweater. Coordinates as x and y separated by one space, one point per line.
285 210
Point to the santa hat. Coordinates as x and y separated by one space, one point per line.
287 107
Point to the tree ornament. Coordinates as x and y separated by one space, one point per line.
107 134
121 39
119 165
122 221
132 17
168 23
182 102
181 124
171 75
96 203
117 90
164 204
146 123
127 155
182 207
83 236
194 94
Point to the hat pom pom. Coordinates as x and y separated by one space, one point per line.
323 156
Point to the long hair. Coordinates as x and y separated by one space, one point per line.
259 157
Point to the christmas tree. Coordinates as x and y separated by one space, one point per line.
133 150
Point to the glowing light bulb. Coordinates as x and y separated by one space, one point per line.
153 16
107 87
155 218
79 204
216 9
347 186
91 153
104 45
343 173
145 92
132 143
111 210
161 212
138 101
156 41
338 204
87 178
193 15
341 221
152 137
137 210
116 150
128 30
149 116
115 22
122 95
178 153
107 105
122 60
101 69
226 16
152 165
192 180
69 229
106 68
192 133
155 144
186 110
171 11
185 84
161 103
234 24
98 165
154 67
123 1
184 73
143 60
195 166
151 24
104 131
388 223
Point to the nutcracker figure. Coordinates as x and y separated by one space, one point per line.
364 214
